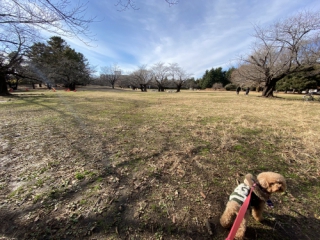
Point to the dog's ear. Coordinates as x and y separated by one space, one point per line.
264 183
249 179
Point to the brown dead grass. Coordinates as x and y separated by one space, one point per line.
102 164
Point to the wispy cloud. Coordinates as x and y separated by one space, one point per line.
198 35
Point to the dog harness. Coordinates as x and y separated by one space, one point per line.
241 193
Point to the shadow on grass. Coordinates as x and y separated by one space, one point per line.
285 227
118 220
118 226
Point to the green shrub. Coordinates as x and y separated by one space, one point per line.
230 87
79 176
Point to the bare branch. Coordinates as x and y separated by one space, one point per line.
111 74
283 48
127 4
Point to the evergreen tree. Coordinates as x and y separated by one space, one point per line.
57 63
299 81
214 76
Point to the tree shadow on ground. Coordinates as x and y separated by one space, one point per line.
115 220
115 217
276 227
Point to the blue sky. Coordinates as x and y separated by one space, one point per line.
196 34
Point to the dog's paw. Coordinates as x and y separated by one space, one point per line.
258 218
239 237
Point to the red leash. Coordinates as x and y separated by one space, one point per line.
240 215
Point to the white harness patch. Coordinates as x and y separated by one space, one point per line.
240 193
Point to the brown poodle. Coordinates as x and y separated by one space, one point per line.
266 183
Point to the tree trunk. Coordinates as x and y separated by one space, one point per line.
143 87
3 85
160 87
15 86
72 86
178 88
269 88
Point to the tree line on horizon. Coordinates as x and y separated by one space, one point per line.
160 76
285 54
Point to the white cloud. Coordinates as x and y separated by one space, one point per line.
198 35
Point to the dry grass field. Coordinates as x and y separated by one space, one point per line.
119 164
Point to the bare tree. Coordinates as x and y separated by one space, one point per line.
24 18
160 73
110 74
10 60
61 16
141 78
216 86
247 76
179 75
127 4
286 47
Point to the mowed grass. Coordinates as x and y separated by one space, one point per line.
120 164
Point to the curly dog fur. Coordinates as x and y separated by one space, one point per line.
266 184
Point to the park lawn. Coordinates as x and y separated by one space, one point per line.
121 164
